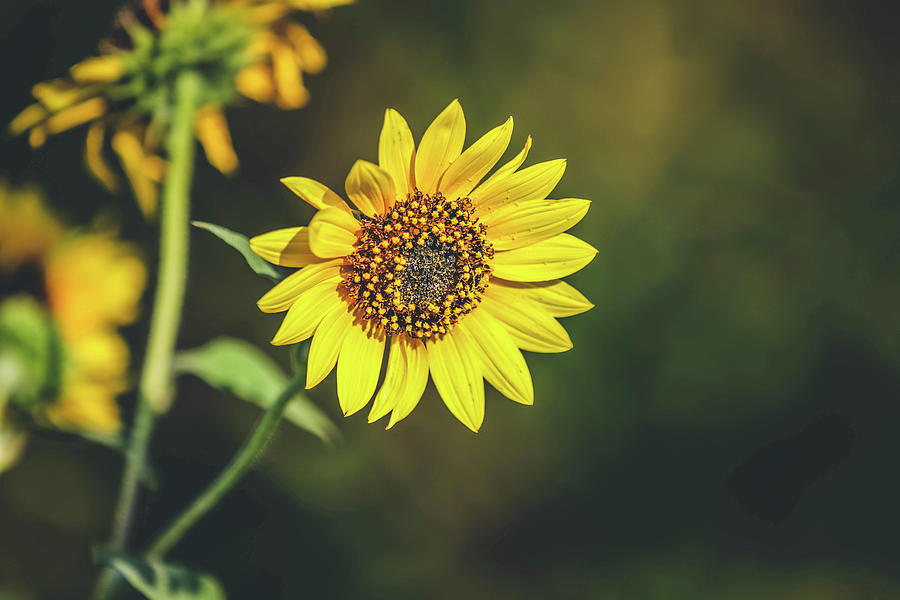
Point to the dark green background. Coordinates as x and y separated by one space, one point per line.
724 426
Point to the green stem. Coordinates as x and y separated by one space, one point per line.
155 389
242 462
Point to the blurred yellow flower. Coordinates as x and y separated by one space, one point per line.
458 273
27 230
92 284
252 47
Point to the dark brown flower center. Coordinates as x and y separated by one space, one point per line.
421 266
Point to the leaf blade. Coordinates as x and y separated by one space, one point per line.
157 580
244 370
241 243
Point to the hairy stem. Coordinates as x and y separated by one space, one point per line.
242 462
155 389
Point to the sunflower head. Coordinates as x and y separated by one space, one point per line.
194 36
253 48
420 266
455 269
62 360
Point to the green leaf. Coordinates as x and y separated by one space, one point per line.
159 581
247 372
241 243
31 353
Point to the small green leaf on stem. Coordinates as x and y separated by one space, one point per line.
247 372
241 243
159 581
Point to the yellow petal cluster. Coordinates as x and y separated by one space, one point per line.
520 305
279 54
93 283
27 230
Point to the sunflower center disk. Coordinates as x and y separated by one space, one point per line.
420 267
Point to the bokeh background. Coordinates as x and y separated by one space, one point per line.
725 426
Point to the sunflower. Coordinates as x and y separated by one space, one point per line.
255 48
27 230
93 284
62 359
457 275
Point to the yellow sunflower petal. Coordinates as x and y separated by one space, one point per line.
307 311
358 367
527 324
502 364
441 145
511 166
212 131
28 118
457 376
557 297
86 406
309 50
473 164
288 82
37 136
127 144
98 69
316 194
257 83
327 342
285 247
396 152
92 281
332 233
282 296
370 188
155 167
265 13
552 258
532 183
93 157
100 354
404 380
527 222
394 382
75 115
416 380
57 94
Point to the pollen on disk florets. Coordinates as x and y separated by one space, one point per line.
420 266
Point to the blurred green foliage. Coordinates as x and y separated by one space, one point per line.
724 426
31 355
